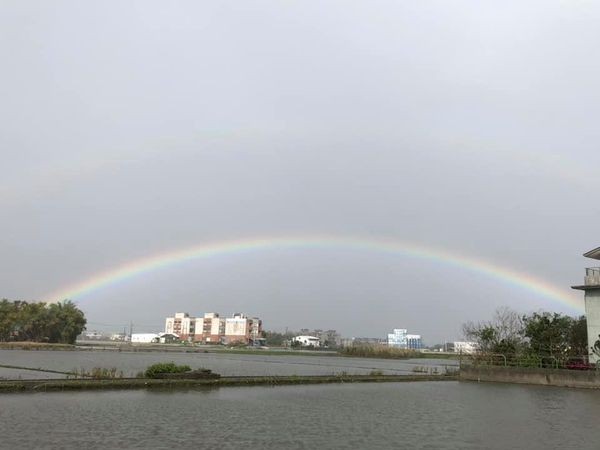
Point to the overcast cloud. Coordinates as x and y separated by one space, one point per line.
133 128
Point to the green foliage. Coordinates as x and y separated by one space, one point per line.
40 322
530 360
549 333
578 336
170 367
538 339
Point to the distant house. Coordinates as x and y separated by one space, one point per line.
118 337
93 335
307 341
168 338
144 338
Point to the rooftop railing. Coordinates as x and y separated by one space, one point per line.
592 276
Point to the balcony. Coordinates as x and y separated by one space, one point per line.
592 276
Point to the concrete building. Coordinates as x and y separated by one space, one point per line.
210 329
591 287
240 328
400 338
213 329
182 325
414 341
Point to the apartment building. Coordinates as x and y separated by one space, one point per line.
213 329
240 328
182 325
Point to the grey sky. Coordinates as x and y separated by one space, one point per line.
133 128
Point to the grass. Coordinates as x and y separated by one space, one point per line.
385 352
98 373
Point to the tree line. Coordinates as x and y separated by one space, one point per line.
40 322
540 334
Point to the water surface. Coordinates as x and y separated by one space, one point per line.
419 415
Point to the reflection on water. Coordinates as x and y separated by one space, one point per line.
424 415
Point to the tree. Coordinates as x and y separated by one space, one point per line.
276 339
549 334
503 334
68 322
58 322
578 339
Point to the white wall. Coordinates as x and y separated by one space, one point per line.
592 312
236 327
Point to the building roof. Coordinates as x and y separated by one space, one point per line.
586 287
168 334
595 254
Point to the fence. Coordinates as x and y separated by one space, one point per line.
531 361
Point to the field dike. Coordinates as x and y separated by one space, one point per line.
10 386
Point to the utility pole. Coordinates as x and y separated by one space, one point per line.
130 331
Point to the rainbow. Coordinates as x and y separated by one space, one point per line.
144 265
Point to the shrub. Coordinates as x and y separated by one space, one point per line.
170 367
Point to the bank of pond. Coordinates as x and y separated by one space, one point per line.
187 383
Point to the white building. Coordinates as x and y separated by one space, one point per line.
236 326
144 338
241 328
168 338
400 338
212 329
307 341
118 337
182 325
591 287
